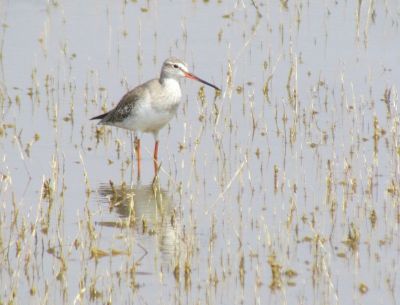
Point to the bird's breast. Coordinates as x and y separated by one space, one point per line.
168 97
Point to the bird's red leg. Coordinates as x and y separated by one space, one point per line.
155 159
138 154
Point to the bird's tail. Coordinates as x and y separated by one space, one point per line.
99 117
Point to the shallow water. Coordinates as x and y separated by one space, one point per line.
283 190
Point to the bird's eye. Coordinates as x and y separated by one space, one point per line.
176 66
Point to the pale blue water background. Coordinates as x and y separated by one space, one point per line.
220 189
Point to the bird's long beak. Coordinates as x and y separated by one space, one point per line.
192 76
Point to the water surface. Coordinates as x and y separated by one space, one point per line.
282 190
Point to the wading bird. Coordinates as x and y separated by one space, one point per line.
150 106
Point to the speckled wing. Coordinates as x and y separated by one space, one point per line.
124 109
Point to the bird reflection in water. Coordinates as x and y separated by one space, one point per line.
147 208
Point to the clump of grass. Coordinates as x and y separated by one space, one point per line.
241 270
47 190
276 281
363 288
187 274
373 218
353 238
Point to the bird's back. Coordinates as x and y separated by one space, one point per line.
147 107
